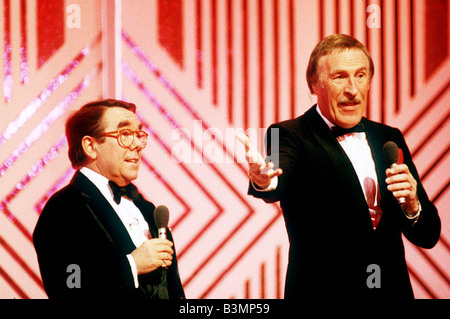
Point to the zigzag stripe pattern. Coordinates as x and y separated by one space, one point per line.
198 71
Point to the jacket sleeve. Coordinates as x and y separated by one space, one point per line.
425 232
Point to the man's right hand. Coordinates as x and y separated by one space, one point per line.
152 254
259 172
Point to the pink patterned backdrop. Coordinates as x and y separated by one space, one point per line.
196 69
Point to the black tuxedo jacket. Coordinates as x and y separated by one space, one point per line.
78 226
332 241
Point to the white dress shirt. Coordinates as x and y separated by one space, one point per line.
128 213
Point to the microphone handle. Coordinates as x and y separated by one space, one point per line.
400 200
162 233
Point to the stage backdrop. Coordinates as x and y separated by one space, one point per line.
199 70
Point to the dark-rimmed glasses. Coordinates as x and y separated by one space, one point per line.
125 137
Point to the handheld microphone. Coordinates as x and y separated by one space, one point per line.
390 151
161 216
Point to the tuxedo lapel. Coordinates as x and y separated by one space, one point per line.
103 213
376 138
147 210
339 159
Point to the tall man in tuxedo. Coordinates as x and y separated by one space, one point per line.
338 195
93 241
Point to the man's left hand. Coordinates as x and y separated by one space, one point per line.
402 184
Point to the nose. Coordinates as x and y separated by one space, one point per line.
350 89
137 144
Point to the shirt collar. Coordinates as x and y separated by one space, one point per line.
330 125
100 181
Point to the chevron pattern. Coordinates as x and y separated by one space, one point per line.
199 70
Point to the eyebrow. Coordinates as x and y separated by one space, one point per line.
127 123
346 71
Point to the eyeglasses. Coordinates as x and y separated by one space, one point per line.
125 137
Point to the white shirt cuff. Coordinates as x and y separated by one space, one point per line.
416 216
133 270
272 186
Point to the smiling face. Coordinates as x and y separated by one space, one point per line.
342 86
118 164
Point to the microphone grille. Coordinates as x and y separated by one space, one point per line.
161 216
390 150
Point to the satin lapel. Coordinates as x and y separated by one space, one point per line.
104 214
377 138
376 143
339 159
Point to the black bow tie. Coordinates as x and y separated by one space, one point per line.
339 131
130 191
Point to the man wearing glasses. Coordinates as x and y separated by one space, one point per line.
96 238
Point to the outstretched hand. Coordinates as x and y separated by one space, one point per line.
259 172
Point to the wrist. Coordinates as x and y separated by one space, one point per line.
259 186
413 216
412 208
270 187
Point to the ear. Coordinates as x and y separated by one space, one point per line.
314 88
89 145
316 84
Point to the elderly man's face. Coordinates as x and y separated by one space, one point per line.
342 86
118 164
